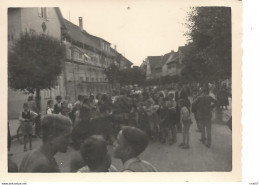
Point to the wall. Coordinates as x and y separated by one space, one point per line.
22 19
31 20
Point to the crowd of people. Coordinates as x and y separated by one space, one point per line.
128 120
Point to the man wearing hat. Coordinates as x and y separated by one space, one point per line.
57 106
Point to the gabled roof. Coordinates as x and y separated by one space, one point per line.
154 61
60 17
166 57
76 34
174 57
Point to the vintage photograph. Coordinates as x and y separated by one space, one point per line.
120 88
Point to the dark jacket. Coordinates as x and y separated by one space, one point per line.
57 109
204 105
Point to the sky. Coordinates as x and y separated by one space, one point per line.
138 29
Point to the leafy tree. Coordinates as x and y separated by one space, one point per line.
112 73
208 56
131 76
34 62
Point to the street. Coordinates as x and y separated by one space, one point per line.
167 158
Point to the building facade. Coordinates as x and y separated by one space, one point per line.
34 21
169 64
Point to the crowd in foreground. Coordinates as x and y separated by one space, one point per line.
127 121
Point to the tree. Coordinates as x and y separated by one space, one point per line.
208 56
112 73
131 76
34 62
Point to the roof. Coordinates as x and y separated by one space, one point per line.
174 57
154 61
60 17
76 34
166 57
117 53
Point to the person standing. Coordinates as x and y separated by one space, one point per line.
205 104
57 106
49 109
33 107
26 118
130 143
186 122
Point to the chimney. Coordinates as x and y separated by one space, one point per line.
81 23
115 47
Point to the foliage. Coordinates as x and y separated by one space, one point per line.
34 62
129 76
208 55
112 73
163 80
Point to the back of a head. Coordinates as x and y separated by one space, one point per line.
55 125
94 150
135 138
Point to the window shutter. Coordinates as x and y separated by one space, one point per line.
40 12
47 13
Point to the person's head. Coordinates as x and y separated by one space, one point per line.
50 103
56 130
105 98
80 98
131 142
171 96
30 97
58 99
98 96
26 107
86 101
95 154
181 103
91 97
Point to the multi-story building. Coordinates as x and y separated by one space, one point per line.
169 64
87 56
47 21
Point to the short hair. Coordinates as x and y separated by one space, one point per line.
30 98
49 102
26 105
94 150
80 97
55 125
58 97
136 139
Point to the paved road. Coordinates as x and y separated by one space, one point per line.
168 158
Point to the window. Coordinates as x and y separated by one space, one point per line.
87 79
47 94
43 13
81 78
92 79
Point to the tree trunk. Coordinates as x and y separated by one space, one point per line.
38 100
